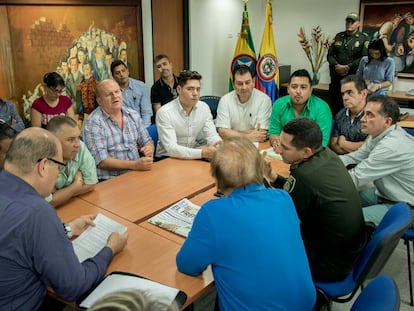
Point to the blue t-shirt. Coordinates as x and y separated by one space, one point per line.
252 241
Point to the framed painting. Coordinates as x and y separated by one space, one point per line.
393 22
65 36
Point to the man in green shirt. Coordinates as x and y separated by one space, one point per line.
79 175
300 103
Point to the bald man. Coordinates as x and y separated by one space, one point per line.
35 252
116 135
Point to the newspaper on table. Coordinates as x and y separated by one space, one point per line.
178 218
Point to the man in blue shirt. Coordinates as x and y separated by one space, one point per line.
346 133
251 238
134 92
35 252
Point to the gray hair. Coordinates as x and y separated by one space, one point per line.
131 300
237 163
25 151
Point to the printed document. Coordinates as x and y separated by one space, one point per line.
93 239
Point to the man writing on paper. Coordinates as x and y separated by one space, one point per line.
79 175
35 252
255 250
244 111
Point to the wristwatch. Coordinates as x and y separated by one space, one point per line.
68 229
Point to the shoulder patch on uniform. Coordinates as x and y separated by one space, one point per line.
366 43
290 184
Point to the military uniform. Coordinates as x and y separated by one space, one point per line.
345 50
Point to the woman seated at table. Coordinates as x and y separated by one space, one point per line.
250 237
377 68
52 103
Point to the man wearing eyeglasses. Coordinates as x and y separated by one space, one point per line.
35 252
244 111
185 124
79 174
343 57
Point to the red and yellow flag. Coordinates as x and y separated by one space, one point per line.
244 53
267 68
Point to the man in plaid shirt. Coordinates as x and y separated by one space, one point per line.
115 135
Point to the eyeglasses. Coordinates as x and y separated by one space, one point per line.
56 91
61 164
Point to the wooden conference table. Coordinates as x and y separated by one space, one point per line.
138 195
146 254
132 198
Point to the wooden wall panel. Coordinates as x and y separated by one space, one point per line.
168 31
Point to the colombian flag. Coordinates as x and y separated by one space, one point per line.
244 53
267 68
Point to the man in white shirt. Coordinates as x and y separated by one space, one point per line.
244 111
185 124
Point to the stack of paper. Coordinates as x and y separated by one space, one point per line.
93 239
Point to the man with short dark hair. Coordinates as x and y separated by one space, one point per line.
164 89
251 238
346 133
185 125
385 159
300 103
325 198
245 111
79 175
35 252
134 92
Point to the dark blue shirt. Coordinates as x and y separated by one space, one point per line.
35 252
351 129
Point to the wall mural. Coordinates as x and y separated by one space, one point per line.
78 42
393 22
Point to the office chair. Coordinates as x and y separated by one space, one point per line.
153 132
409 130
381 294
212 101
408 238
373 257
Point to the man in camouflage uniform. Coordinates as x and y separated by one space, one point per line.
343 57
